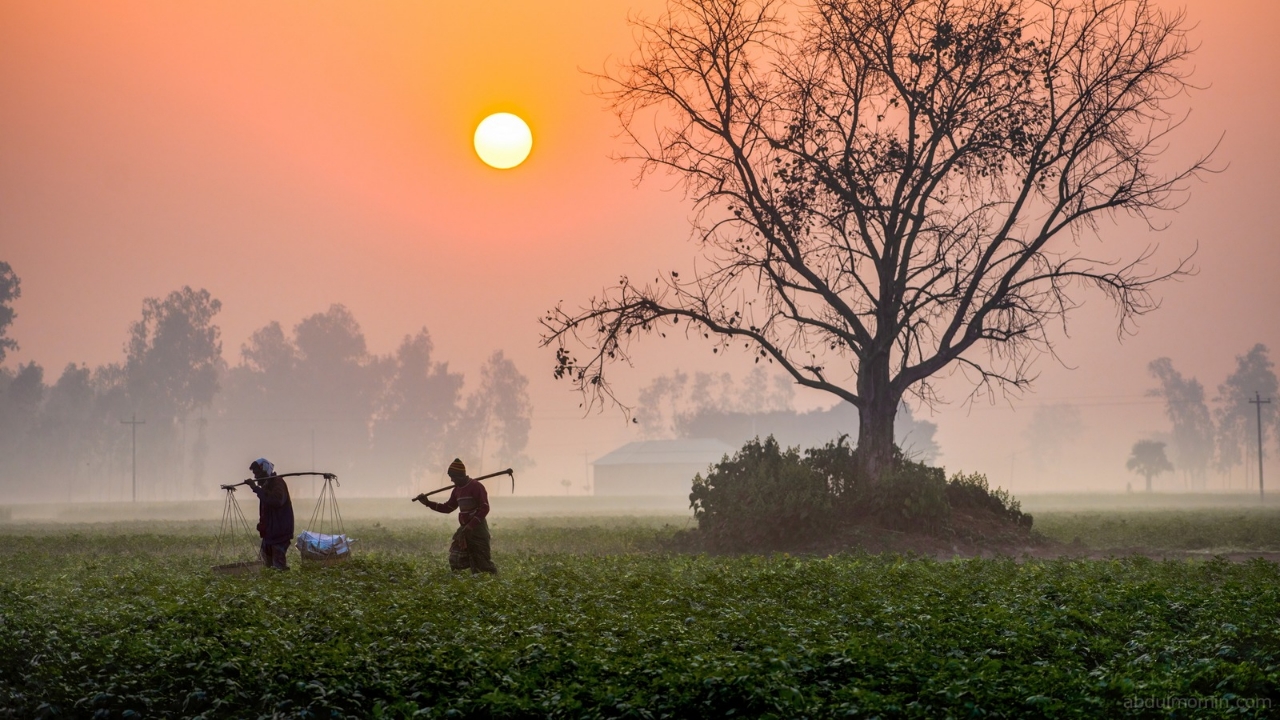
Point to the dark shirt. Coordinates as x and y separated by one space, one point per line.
275 511
472 498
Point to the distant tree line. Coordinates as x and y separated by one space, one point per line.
382 422
714 405
1226 437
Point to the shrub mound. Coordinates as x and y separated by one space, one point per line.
766 497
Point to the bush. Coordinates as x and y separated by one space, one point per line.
765 497
762 497
835 463
973 494
912 497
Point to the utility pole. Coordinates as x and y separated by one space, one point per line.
184 449
134 422
1259 402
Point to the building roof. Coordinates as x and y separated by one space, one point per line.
697 451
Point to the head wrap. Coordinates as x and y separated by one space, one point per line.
264 465
457 469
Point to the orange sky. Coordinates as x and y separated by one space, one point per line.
287 155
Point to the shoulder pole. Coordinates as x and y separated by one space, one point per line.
508 471
232 486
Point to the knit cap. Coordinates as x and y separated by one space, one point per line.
457 469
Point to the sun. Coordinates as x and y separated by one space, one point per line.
503 140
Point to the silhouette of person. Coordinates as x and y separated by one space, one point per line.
275 513
471 542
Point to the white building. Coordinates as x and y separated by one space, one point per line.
656 467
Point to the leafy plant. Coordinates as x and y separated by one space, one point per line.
767 498
762 497
912 496
142 629
972 493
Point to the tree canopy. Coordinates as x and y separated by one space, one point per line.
887 189
1193 430
1148 460
10 290
1254 373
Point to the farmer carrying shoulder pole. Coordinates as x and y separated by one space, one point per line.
470 546
275 513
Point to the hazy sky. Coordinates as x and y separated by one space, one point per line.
287 155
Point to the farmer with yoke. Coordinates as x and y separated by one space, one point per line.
470 546
275 513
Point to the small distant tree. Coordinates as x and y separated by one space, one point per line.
1193 428
1148 460
1255 372
1050 436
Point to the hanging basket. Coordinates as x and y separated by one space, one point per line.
237 542
325 541
319 547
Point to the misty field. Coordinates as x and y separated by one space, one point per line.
593 618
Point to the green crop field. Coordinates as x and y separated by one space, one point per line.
1203 530
600 618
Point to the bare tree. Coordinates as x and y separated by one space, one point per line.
886 189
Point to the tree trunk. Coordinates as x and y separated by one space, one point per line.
875 418
1148 482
